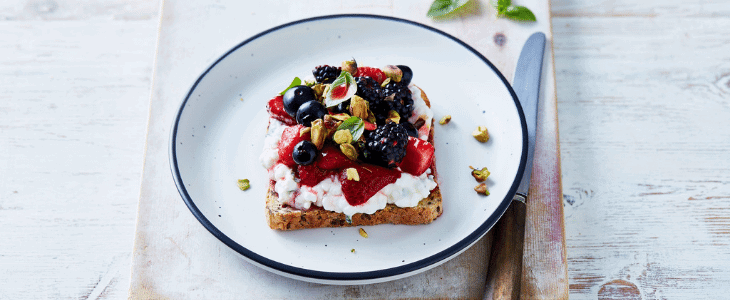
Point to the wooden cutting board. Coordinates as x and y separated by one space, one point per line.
175 257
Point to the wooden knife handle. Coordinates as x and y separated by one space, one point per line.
505 263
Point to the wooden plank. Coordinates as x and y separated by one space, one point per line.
74 96
645 165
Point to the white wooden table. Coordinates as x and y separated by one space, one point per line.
644 108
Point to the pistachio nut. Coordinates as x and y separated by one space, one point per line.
393 72
480 175
394 116
482 189
445 120
319 133
349 151
481 134
244 184
350 66
352 174
359 107
342 136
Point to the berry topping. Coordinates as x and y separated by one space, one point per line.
402 100
386 145
410 129
295 97
309 112
371 180
275 107
407 74
326 74
304 152
311 175
373 73
419 156
289 139
331 158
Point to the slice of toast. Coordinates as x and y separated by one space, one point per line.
288 218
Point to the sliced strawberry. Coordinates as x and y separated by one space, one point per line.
310 175
369 126
331 158
275 107
374 73
289 138
419 155
372 179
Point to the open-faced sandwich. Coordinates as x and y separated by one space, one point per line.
351 146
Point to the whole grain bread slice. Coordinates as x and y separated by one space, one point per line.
287 218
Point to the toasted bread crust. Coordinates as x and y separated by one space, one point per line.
287 218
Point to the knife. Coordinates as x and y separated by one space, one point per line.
505 263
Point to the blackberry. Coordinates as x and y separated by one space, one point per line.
402 100
370 90
386 145
326 74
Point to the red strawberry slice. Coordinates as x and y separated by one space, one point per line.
372 179
310 175
374 73
331 158
419 155
369 126
275 107
289 138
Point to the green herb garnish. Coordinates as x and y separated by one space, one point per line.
294 83
440 8
505 9
355 125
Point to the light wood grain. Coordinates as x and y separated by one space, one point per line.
74 92
643 104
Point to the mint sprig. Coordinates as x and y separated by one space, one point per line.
440 8
355 125
294 83
505 9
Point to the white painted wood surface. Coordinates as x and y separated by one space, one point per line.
643 90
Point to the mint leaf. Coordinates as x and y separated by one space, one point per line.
502 6
334 95
441 8
294 83
519 13
355 125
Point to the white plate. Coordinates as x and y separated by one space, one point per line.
218 136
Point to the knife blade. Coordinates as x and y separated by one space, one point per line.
505 264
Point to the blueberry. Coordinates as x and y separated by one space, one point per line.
407 74
309 112
343 107
295 97
304 152
410 129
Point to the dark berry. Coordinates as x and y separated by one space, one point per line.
295 97
326 74
304 153
309 112
407 74
386 145
368 89
410 129
343 107
402 101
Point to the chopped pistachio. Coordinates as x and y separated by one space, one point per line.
319 133
244 184
359 107
385 82
482 189
349 151
340 117
352 174
304 131
342 136
319 90
309 82
480 175
350 66
393 72
481 134
363 233
445 120
394 116
352 250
